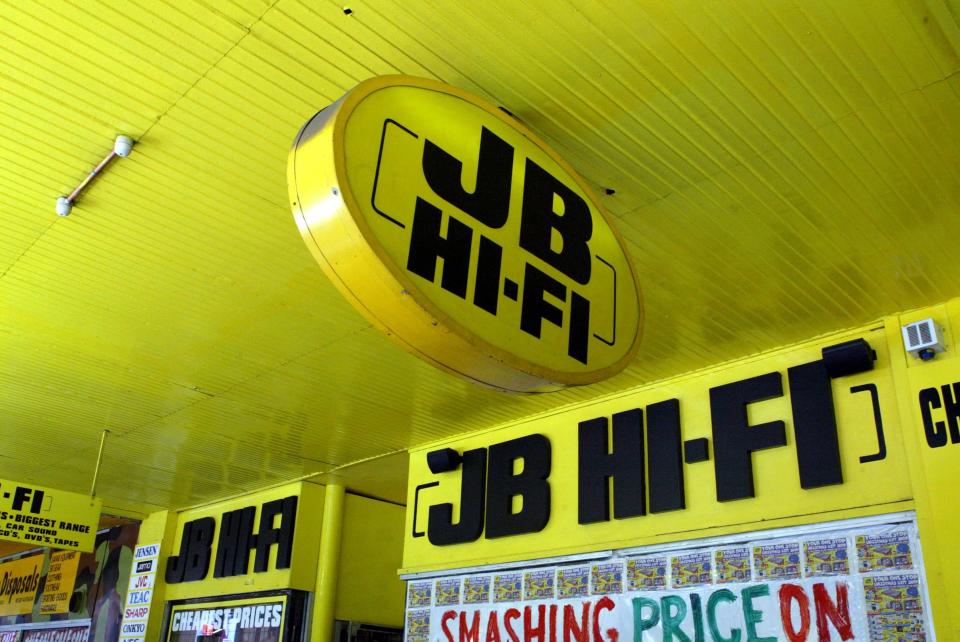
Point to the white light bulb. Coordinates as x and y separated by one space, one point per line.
64 206
122 146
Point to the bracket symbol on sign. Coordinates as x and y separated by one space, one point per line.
877 420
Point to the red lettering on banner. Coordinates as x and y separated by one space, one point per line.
603 604
580 633
553 623
511 614
838 614
493 628
471 633
446 617
531 632
788 594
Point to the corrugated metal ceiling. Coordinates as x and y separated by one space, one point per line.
781 169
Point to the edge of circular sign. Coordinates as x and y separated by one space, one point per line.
415 314
545 379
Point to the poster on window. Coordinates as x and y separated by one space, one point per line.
59 634
258 619
854 580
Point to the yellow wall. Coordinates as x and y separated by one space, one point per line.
934 471
870 488
302 572
158 528
368 587
912 476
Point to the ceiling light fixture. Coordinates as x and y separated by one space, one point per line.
122 147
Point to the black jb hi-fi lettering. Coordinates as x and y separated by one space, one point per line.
632 463
598 466
734 439
814 420
442 240
235 542
487 491
26 499
193 562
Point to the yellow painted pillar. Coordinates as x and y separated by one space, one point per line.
325 596
158 528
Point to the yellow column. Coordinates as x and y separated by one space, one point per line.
325 597
158 528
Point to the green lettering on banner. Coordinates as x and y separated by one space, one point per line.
723 595
673 609
751 616
640 623
697 609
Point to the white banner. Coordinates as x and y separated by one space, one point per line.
860 583
143 572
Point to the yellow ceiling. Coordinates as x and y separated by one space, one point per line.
781 169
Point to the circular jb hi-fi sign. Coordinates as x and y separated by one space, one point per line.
460 234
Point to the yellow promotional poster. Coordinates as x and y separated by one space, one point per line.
58 585
458 232
19 581
47 517
797 436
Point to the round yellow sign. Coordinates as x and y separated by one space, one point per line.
458 232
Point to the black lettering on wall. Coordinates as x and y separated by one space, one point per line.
815 425
282 536
665 456
193 561
951 406
540 221
427 245
234 543
597 464
734 439
936 433
440 527
489 202
530 484
848 358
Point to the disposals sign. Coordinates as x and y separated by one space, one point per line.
466 239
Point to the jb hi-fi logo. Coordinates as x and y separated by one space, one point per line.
634 460
459 237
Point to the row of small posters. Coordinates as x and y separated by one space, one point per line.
136 611
868 579
48 634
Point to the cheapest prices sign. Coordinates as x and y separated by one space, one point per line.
19 581
260 618
46 517
459 233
